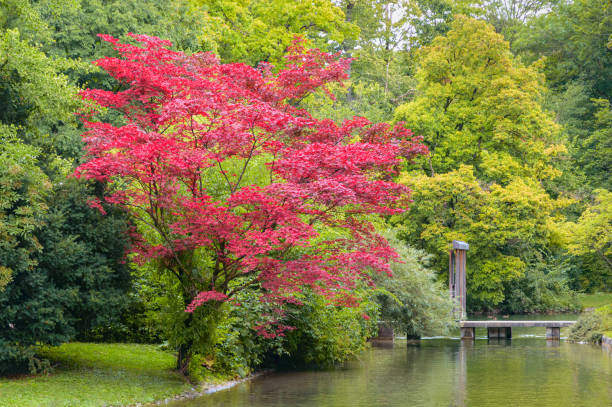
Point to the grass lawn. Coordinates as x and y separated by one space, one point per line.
91 374
595 300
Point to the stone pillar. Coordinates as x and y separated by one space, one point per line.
468 333
499 333
553 333
508 332
492 333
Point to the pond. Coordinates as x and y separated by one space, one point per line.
524 371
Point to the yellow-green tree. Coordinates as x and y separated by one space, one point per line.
250 31
591 238
501 224
478 105
493 149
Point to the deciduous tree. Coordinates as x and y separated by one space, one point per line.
230 183
476 104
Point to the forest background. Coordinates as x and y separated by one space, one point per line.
512 99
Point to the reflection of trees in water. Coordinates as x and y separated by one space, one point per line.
533 372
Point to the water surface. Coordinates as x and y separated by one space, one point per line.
526 371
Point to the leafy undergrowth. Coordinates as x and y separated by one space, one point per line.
595 300
592 325
89 374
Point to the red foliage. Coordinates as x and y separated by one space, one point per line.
196 130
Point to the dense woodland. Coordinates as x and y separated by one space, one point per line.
381 130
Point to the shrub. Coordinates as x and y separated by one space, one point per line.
325 335
411 300
591 326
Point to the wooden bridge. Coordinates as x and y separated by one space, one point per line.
495 328
503 329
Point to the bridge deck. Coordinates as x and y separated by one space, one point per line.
514 324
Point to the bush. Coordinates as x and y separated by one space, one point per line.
591 326
325 335
411 300
544 288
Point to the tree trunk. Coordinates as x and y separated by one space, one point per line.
183 355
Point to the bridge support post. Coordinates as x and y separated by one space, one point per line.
385 332
499 333
553 333
468 333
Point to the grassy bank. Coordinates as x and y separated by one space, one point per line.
88 374
595 300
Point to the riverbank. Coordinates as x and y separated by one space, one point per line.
594 300
92 374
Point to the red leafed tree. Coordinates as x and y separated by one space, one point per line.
232 183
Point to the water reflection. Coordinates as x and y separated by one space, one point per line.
441 372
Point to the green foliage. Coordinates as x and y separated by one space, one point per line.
411 299
22 189
587 329
77 281
595 150
574 38
591 326
37 100
250 31
131 326
195 331
73 30
478 105
591 239
326 335
90 375
573 42
509 16
493 151
239 348
544 288
501 223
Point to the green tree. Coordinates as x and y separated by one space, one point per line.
574 38
494 152
478 105
573 42
22 189
504 225
77 276
595 150
382 75
510 16
591 238
37 100
72 30
250 31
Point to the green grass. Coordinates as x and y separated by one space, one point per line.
89 374
595 300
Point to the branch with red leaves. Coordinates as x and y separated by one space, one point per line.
197 133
